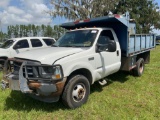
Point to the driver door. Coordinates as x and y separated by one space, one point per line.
107 62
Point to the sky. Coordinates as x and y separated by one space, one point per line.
14 12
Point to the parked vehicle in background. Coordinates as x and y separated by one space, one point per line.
90 51
1 43
158 40
14 46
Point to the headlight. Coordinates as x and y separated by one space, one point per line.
57 73
43 72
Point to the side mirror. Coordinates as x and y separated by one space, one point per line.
16 47
101 47
112 46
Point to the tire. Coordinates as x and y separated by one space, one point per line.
76 91
139 69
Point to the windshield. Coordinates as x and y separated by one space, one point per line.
80 38
7 44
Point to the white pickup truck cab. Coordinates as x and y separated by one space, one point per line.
14 46
78 59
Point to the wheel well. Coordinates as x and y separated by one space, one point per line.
5 58
145 56
84 72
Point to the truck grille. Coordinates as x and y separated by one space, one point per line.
29 71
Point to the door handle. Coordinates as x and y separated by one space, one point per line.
117 52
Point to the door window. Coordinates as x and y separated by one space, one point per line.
105 36
49 42
36 43
22 44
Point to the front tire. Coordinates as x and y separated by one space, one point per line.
76 91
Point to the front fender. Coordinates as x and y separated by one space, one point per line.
70 68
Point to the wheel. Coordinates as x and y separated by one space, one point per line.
76 91
139 69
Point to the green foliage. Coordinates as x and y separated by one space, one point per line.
81 9
124 98
35 30
145 13
3 36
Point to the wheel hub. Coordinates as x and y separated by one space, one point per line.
141 68
78 93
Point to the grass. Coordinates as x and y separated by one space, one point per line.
124 97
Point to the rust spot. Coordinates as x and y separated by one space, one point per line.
130 68
8 67
60 86
16 60
34 85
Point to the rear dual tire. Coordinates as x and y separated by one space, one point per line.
139 69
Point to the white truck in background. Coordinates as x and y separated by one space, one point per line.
14 46
90 51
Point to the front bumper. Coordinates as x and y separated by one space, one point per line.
47 91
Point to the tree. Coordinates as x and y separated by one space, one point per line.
145 13
81 9
58 31
3 36
29 30
9 31
16 30
48 31
34 30
43 29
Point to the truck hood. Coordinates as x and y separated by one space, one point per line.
48 55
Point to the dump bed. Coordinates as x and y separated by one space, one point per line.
130 42
139 43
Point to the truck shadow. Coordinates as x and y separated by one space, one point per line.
120 76
21 102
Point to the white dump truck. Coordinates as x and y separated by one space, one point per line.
89 51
